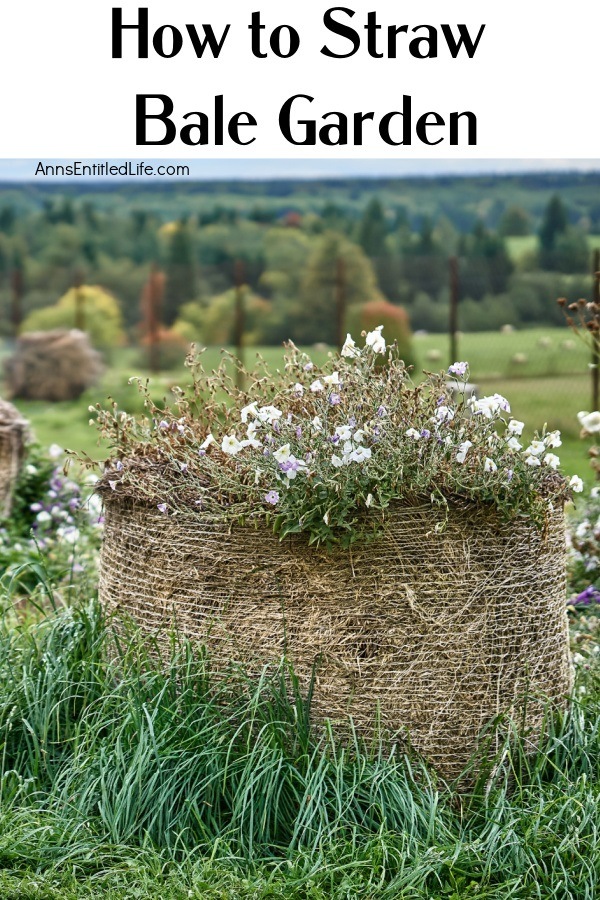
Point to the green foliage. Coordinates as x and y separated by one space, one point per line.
101 316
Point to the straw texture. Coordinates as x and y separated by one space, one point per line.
436 632
14 431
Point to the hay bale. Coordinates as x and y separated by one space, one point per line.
14 431
442 630
52 365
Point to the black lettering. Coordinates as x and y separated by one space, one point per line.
423 125
210 40
158 41
464 38
118 28
310 135
141 117
430 40
472 131
343 30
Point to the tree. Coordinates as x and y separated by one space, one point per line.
180 271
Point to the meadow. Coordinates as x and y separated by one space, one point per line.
542 371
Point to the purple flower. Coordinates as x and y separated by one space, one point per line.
335 399
272 497
162 507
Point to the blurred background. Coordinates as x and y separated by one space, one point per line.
456 267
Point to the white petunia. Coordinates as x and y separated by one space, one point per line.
489 465
515 427
551 460
231 445
590 422
350 350
532 461
317 386
247 411
283 454
206 444
463 450
536 448
375 340
576 484
334 378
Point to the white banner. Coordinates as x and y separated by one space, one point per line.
368 78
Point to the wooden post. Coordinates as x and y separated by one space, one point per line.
239 323
79 300
595 337
340 302
453 322
16 305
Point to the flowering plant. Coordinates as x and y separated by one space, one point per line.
327 451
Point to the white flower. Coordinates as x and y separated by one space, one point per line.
489 465
515 427
532 461
589 421
283 454
298 390
231 445
206 444
576 484
344 432
360 454
552 439
375 340
248 410
458 368
463 450
334 378
337 461
269 414
369 500
551 460
350 349
317 386
444 414
536 448
412 433
513 444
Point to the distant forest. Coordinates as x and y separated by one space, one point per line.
294 247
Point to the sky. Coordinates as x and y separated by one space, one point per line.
258 169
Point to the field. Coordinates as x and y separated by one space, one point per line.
543 372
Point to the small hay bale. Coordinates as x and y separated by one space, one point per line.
52 365
438 631
14 431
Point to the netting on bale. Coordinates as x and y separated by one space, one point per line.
444 621
13 437
52 365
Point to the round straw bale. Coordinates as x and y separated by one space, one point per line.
52 365
442 623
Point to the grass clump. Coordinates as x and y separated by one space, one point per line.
124 779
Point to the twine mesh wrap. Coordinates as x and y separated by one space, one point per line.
440 632
14 431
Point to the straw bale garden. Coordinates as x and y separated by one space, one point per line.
318 632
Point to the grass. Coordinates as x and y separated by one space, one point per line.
120 779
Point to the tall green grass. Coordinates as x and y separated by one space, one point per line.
119 775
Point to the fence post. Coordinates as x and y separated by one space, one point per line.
453 323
